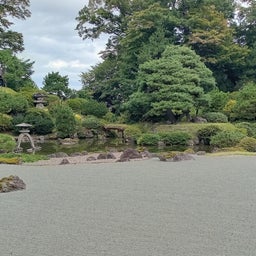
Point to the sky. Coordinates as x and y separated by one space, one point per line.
50 39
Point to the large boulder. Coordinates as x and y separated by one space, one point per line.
128 154
106 156
11 183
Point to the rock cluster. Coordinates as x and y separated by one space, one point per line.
128 154
175 157
11 183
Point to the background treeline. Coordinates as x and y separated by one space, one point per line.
163 58
164 61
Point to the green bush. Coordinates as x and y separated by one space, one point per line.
7 143
94 108
65 121
248 143
148 139
132 132
205 134
5 122
19 104
41 121
215 117
12 103
92 122
76 104
227 138
175 138
249 127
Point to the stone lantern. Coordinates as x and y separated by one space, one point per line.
39 100
24 132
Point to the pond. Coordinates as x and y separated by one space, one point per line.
94 145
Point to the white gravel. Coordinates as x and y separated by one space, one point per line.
202 207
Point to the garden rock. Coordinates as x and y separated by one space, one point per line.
91 158
176 157
130 153
11 183
64 161
106 156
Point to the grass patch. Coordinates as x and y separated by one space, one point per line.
192 128
25 158
230 153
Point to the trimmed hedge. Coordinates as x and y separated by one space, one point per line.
7 143
248 143
216 117
205 134
149 139
227 139
174 138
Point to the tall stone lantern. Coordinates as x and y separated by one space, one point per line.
24 132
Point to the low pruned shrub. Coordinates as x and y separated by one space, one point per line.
148 139
226 138
248 143
215 117
205 134
174 138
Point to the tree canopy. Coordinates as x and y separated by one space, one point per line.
54 83
18 9
221 33
172 85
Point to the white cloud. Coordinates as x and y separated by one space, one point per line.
53 43
59 64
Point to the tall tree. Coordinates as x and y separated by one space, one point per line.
12 9
213 39
173 84
17 73
246 19
54 83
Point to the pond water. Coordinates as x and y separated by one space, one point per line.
93 145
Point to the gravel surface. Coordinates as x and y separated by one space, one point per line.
202 207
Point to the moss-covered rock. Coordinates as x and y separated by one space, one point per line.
175 156
11 183
13 160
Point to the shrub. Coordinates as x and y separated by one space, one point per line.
148 139
19 104
65 121
5 122
94 108
12 103
226 138
132 132
175 138
216 117
7 143
76 104
92 122
249 127
205 134
248 143
41 121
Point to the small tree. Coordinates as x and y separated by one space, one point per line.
56 84
245 107
64 121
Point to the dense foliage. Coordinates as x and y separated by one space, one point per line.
165 61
